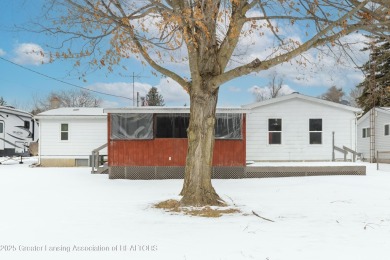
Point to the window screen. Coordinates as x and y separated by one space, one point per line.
172 125
131 126
228 126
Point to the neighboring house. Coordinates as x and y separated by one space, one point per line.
296 127
374 132
67 136
17 130
151 142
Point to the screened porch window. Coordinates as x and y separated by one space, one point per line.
275 131
228 126
172 125
64 132
131 126
315 131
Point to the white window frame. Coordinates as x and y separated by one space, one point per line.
61 131
321 132
366 132
281 131
388 130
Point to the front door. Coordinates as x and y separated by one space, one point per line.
2 135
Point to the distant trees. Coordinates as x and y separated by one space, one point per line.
70 98
333 94
2 102
376 85
275 88
153 98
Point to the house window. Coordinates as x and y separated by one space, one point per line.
131 126
275 131
366 132
172 125
387 132
315 131
64 132
1 127
27 124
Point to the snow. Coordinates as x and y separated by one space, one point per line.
325 217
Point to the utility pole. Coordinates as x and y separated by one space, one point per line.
135 76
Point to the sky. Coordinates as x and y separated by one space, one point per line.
26 76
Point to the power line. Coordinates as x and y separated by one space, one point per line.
61 81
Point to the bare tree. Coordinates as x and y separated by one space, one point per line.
353 96
272 90
2 102
333 94
209 33
69 98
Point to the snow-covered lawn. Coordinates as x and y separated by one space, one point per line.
330 218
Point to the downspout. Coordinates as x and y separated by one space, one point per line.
39 142
357 115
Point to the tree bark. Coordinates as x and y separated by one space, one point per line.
197 188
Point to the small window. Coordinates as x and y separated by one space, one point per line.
315 131
27 124
366 132
275 131
387 132
64 132
1 127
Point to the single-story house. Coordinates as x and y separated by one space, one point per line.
67 136
296 127
374 133
151 142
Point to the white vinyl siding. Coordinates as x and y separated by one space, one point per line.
382 141
84 135
296 141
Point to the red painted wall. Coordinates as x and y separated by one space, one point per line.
156 152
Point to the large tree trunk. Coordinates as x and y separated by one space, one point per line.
197 188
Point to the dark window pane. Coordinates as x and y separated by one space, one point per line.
27 124
274 124
172 125
64 136
315 138
275 138
387 130
64 127
1 128
315 124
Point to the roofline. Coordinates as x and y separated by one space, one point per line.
297 95
69 116
14 111
377 109
168 110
